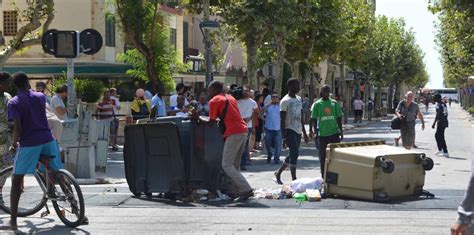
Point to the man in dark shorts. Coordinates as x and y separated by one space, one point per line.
31 137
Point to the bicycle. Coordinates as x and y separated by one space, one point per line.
32 200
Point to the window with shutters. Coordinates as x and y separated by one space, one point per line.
110 30
10 23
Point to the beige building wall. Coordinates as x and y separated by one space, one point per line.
70 15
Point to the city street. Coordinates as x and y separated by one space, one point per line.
112 208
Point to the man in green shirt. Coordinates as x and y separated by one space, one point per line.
327 113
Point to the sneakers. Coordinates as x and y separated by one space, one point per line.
441 153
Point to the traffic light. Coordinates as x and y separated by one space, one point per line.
69 43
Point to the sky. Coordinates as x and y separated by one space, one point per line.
418 17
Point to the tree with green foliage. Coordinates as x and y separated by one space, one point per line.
245 20
89 90
392 57
455 39
145 29
38 15
318 33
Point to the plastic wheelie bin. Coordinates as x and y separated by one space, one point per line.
206 158
185 136
153 159
374 171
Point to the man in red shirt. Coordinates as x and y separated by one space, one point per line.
235 136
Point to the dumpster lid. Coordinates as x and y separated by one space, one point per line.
375 150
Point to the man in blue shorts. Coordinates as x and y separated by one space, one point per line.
32 137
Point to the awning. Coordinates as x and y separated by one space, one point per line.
80 69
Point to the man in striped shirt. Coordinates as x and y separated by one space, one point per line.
105 111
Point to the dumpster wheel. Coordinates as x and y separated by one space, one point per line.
428 164
387 166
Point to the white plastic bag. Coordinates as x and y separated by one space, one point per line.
300 185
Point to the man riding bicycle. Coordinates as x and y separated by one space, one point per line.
32 137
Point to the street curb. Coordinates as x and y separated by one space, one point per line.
93 181
364 124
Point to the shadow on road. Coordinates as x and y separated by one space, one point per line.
251 203
39 225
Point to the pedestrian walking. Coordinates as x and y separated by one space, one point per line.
115 120
358 109
292 127
272 129
235 130
247 107
427 104
327 114
370 108
57 102
141 107
31 136
341 102
5 133
442 120
408 110
395 104
450 100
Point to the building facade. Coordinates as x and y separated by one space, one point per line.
69 15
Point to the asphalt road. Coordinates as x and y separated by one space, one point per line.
111 208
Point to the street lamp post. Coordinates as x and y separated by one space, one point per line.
207 24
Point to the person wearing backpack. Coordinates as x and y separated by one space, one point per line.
141 107
370 108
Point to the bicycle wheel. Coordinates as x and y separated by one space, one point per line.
69 204
32 199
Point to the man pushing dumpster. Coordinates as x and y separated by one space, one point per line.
234 129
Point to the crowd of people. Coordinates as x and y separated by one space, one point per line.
245 119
